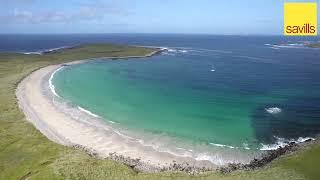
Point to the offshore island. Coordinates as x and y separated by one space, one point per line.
27 73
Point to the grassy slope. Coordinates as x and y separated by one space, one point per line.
26 153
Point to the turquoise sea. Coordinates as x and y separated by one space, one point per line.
238 94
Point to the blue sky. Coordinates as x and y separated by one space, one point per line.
142 16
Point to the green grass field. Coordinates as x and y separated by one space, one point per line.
26 154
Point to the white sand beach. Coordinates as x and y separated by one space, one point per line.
98 136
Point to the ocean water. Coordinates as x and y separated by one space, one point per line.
204 94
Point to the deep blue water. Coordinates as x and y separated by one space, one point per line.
274 71
237 43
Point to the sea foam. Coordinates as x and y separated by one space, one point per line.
222 145
281 142
298 45
188 50
160 143
51 86
88 112
273 110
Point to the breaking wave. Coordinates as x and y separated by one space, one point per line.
51 86
281 142
273 110
222 145
173 51
291 45
88 112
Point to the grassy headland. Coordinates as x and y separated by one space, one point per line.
26 154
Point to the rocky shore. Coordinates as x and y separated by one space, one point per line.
268 157
140 166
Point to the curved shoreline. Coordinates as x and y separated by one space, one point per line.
60 129
94 137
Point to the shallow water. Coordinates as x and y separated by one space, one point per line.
205 97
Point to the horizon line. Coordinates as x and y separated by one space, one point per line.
142 33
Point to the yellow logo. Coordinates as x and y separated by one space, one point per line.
300 19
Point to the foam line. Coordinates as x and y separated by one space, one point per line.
281 142
273 110
51 86
88 112
223 145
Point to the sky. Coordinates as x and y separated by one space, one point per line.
227 17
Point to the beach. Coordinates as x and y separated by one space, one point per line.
34 149
75 126
97 137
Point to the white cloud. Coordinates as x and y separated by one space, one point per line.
86 12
